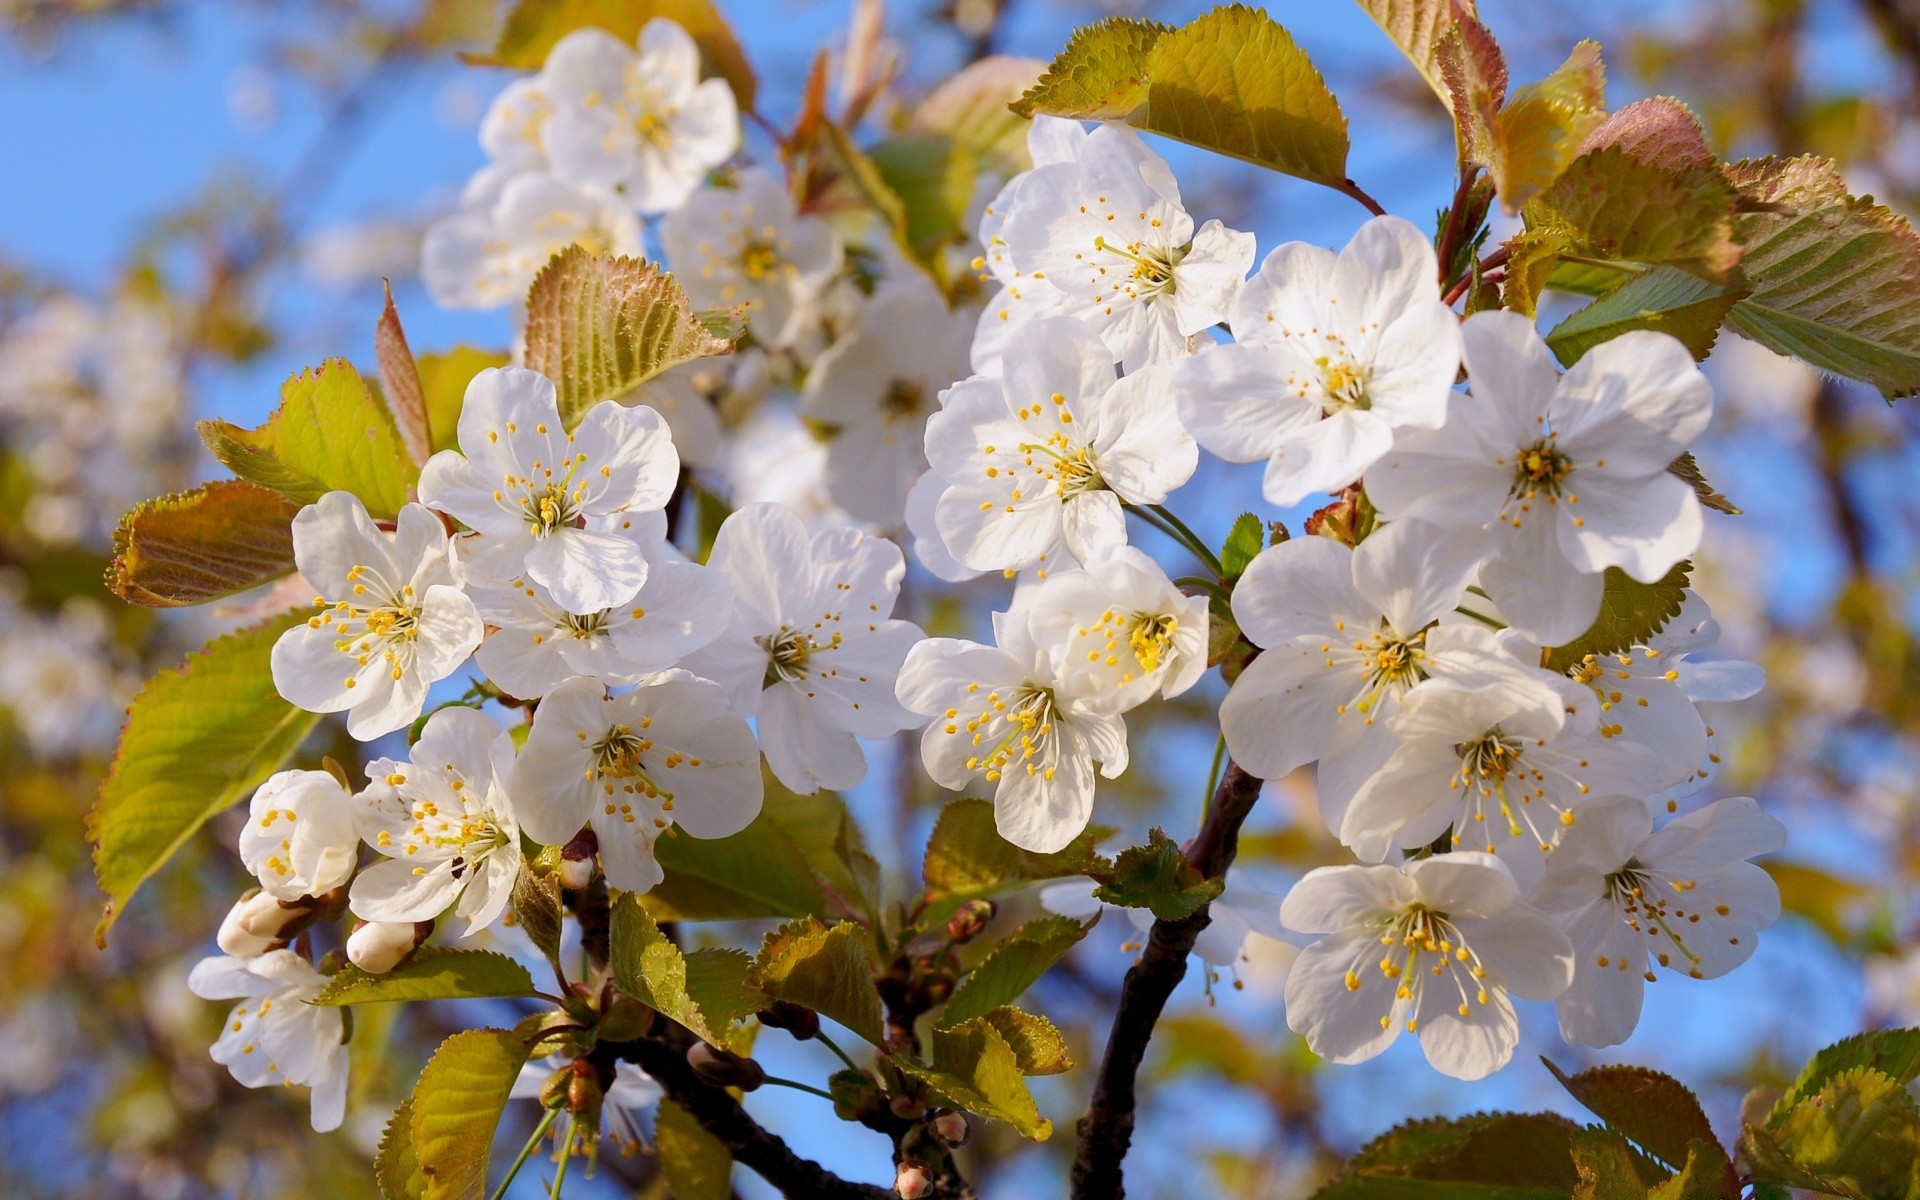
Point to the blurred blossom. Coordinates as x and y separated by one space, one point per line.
357 254
252 105
775 457
59 678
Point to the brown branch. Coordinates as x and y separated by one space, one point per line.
1106 1131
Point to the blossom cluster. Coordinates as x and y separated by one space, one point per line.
1502 813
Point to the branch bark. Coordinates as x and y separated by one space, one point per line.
1106 1131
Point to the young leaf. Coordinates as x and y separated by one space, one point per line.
395 1169
1665 299
1606 1167
1475 72
974 109
1706 1175
1037 1045
600 327
1655 1111
755 873
829 840
1244 541
443 381
653 971
1537 133
400 379
1831 276
536 908
1892 1052
1611 205
1512 1156
1687 468
696 1164
328 435
533 26
198 738
967 858
1858 1136
1630 613
1012 967
975 1069
933 175
1157 876
457 1105
223 537
1418 27
823 968
1232 80
1661 132
433 973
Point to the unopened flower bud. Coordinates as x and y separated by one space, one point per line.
379 946
969 920
258 923
725 1068
950 1129
576 860
912 1182
907 1108
584 1091
803 1023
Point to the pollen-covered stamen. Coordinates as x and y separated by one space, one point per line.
381 619
1646 906
1387 663
759 257
789 652
1135 644
585 626
1504 773
553 506
1153 266
1344 383
1422 944
1016 731
1069 468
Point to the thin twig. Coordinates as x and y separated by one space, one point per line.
1350 188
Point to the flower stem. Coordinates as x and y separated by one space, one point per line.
829 1043
566 1156
776 1081
526 1152
1213 776
1484 619
1160 518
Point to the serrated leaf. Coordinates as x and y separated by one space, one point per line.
198 737
1857 1136
1688 468
328 435
1012 967
1665 299
974 109
1656 1111
1892 1052
536 908
1537 133
400 382
1157 876
1831 277
1630 613
1244 541
696 1164
1232 80
432 973
758 872
218 539
443 381
533 26
1418 27
457 1105
1608 204
974 1068
967 858
704 991
823 968
1485 1156
1475 73
1706 1175
1605 1165
600 327
828 838
1037 1045
395 1169
1660 131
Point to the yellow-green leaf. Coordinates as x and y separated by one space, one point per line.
223 537
395 1169
600 327
1037 1045
1665 299
823 968
972 108
967 858
1707 1174
934 176
755 873
696 1164
198 738
974 1068
1538 131
1100 76
1892 1052
1630 613
1158 877
1608 204
1606 1167
1858 1136
432 973
1012 967
533 26
706 991
1418 27
328 435
443 380
457 1105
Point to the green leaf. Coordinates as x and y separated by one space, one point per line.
198 737
1656 1111
1606 1167
1012 967
1831 276
328 435
1486 1156
1664 299
1537 133
600 327
536 908
533 26
1892 1052
457 1105
933 175
1037 1045
1418 27
974 1068
823 968
1244 541
443 380
974 109
1688 468
705 991
1610 205
1232 80
432 973
1630 613
1858 1136
221 538
1157 876
395 1169
758 872
1706 1175
696 1164
967 858
830 841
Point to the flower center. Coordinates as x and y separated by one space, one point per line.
903 399
1152 267
1423 945
586 626
788 651
652 130
1645 907
1024 725
549 509
1540 468
1151 636
759 259
1070 468
617 754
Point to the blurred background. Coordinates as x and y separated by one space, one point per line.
201 198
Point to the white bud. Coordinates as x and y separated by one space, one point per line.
256 924
950 1128
379 946
912 1182
576 873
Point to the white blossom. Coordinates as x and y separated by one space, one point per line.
1433 948
545 503
1332 356
812 650
1043 458
670 754
513 131
508 226
444 823
391 619
747 245
1121 630
277 1037
641 123
1684 896
632 1092
299 838
1021 297
1568 473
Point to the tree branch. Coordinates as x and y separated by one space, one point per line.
1106 1131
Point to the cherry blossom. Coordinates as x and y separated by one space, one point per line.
509 224
747 245
277 1037
299 838
1122 631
